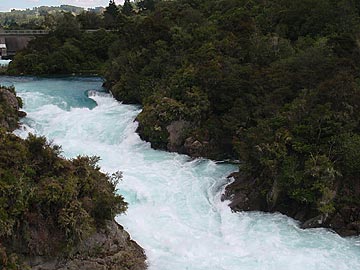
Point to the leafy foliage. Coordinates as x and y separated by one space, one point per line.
274 84
48 203
71 198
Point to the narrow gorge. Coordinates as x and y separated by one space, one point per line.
175 211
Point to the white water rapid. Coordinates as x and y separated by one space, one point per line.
4 63
175 212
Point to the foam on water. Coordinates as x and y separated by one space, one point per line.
4 62
175 211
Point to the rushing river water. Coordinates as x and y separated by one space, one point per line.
4 62
175 211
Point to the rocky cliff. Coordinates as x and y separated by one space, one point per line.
108 249
9 108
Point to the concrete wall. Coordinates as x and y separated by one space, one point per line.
3 49
16 43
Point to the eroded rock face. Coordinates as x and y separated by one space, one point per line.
177 135
108 249
9 98
243 195
9 110
194 147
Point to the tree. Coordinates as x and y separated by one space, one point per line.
127 8
89 20
146 5
67 26
110 15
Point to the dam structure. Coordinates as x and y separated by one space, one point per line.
12 41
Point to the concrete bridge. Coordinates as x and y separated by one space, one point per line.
12 41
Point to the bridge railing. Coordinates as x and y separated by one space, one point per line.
23 32
30 32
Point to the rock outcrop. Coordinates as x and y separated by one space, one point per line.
9 109
177 135
108 249
248 194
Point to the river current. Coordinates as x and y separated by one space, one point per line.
4 62
175 212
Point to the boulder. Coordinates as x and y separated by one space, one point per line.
108 249
9 98
243 196
315 222
177 134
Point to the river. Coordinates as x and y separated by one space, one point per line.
175 212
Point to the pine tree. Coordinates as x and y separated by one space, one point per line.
110 15
146 5
127 8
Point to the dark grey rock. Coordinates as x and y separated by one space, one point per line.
177 134
108 249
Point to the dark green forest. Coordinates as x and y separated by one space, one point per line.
273 84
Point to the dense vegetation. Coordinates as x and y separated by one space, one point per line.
38 17
76 52
274 84
67 49
47 203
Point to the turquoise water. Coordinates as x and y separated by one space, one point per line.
64 93
175 211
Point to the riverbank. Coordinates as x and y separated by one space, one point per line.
57 213
344 220
248 193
